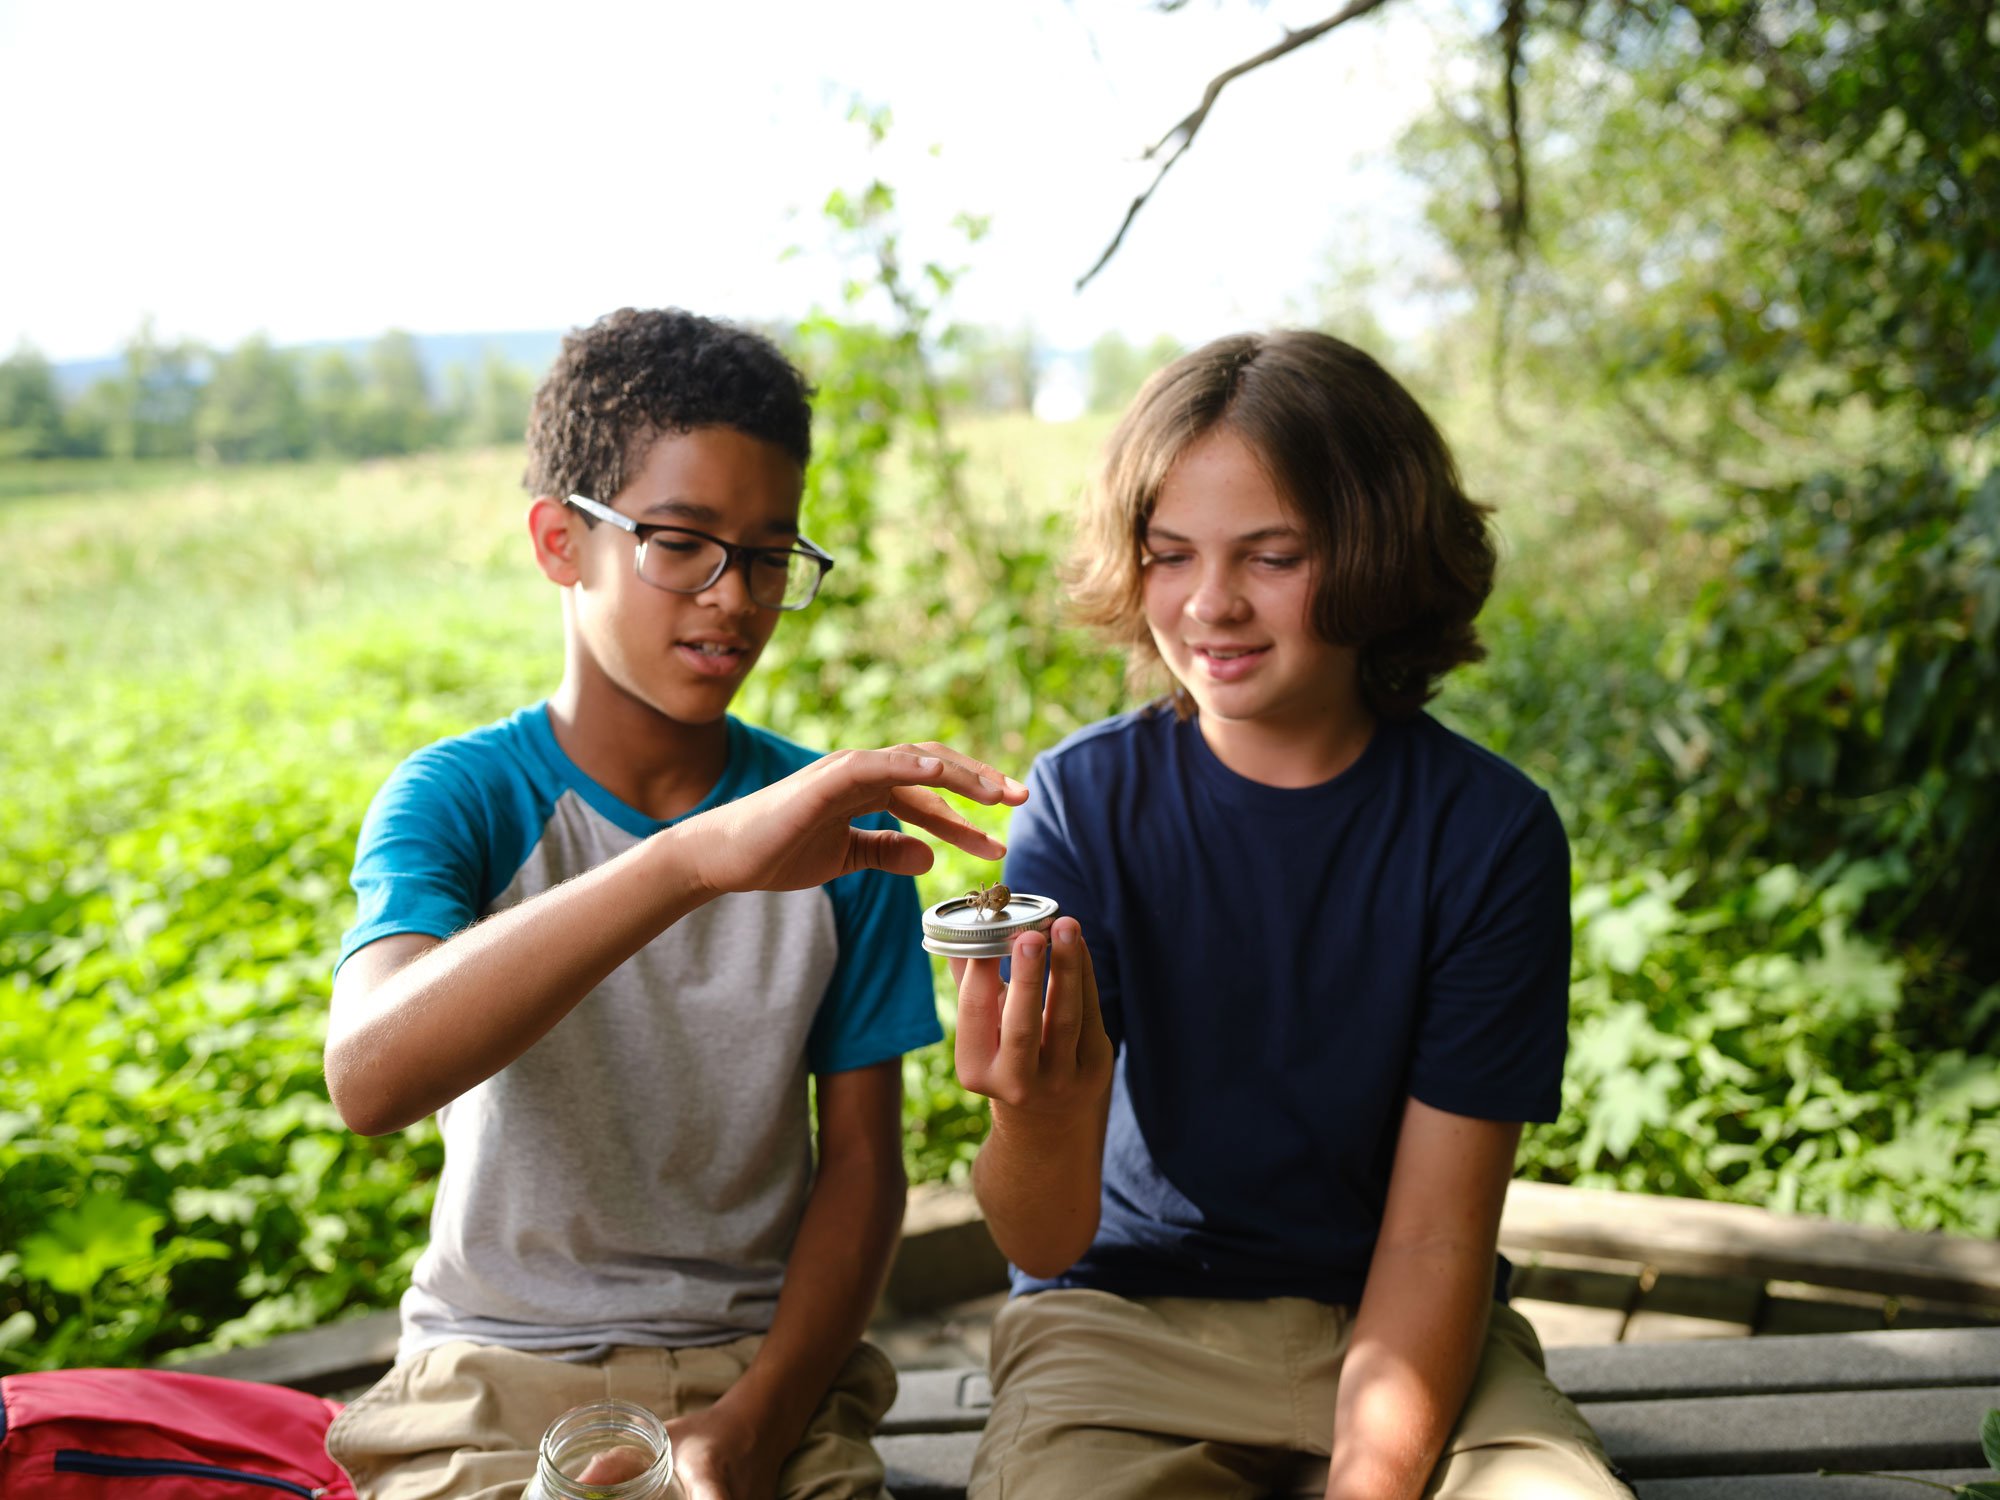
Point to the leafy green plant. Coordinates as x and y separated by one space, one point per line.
1840 690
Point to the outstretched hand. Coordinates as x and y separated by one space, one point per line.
797 833
1049 1060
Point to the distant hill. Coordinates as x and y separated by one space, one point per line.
532 350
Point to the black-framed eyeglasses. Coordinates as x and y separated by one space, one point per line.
682 560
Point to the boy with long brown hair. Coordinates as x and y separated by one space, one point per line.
1249 1159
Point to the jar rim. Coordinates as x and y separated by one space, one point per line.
623 1418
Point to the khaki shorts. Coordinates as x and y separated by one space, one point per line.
465 1420
1101 1397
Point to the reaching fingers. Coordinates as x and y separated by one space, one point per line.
880 771
932 813
1011 791
901 781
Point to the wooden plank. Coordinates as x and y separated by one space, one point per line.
946 1254
1800 1307
1923 1359
353 1352
933 1466
1886 1360
1799 1486
1733 1239
1909 1429
1578 1281
939 1401
1600 1376
1694 1307
1559 1325
937 1467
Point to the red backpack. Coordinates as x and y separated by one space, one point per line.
159 1435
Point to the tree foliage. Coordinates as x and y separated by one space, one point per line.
1765 254
257 403
30 407
253 409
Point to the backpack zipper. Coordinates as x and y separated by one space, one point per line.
77 1461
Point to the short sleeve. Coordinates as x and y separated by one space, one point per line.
1496 1014
1043 858
879 1003
421 860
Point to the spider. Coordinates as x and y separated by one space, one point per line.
988 901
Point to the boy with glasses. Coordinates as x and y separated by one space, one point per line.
608 939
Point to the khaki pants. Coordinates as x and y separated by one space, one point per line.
1100 1397
466 1420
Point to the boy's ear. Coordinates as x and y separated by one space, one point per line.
551 528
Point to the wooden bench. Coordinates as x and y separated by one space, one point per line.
1690 1237
1718 1419
1723 1419
1732 1419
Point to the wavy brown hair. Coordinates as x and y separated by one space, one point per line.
1402 559
634 375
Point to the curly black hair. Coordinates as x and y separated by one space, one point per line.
635 374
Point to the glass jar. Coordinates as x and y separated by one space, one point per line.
608 1450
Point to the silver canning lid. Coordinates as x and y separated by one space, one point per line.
955 929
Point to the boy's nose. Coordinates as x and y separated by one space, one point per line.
730 592
1215 600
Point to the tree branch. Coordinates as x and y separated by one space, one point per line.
1514 200
1182 135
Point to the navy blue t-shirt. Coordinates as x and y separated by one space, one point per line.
1281 969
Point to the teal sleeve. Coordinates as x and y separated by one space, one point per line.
438 844
879 1003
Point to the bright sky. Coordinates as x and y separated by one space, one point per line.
318 171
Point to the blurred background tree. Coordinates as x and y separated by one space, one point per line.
31 413
489 403
1765 243
1118 367
147 409
396 411
253 410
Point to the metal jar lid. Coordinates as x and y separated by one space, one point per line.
956 929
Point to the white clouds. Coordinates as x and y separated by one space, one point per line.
330 172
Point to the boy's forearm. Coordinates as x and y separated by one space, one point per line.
1038 1181
833 1279
460 1012
1417 1340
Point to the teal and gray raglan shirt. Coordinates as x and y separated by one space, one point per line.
638 1175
